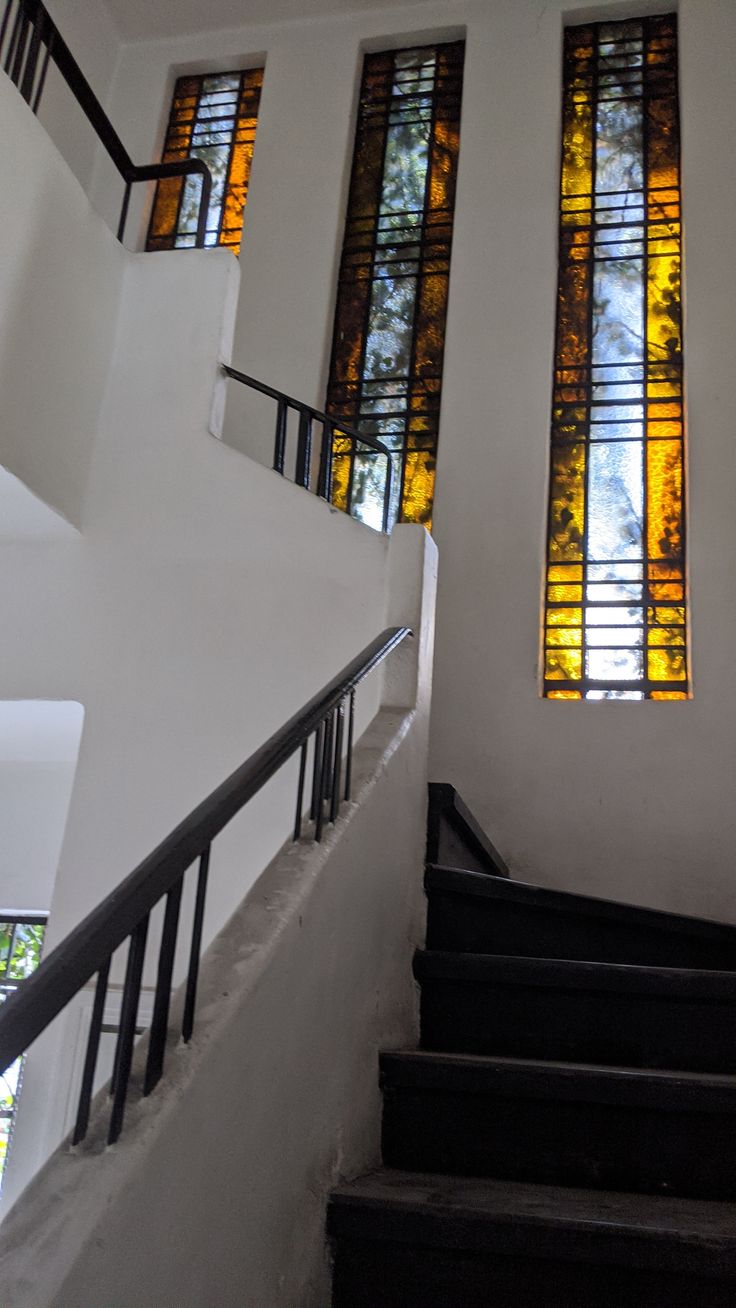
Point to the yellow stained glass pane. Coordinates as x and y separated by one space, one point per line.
342 448
665 616
565 572
557 594
668 694
664 338
567 503
564 665
577 150
570 637
666 665
664 389
563 694
419 474
564 617
666 636
666 570
664 496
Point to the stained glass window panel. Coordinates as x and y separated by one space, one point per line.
213 118
388 343
616 624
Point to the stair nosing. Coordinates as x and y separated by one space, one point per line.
666 1090
579 975
478 885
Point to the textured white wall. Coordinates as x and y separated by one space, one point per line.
613 798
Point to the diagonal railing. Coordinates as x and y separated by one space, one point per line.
29 39
124 915
332 428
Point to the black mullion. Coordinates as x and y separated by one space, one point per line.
233 134
421 261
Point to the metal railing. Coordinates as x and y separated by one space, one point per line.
331 428
29 38
125 913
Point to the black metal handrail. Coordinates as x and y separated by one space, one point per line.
125 913
29 38
331 427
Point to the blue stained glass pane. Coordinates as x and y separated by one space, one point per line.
615 500
618 311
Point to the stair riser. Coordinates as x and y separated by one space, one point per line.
383 1275
609 1147
487 926
549 1022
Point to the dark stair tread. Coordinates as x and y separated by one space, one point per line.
533 1078
574 974
461 882
589 1225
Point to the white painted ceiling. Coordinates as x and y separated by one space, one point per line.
138 19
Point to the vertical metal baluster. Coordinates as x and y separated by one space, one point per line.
187 1025
13 39
44 70
324 779
324 461
387 493
4 24
124 212
29 72
316 765
349 756
126 1032
335 805
304 449
279 448
162 1001
300 792
90 1061
20 49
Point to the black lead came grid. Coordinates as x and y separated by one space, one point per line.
615 599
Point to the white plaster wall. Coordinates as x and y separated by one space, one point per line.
277 1097
60 278
34 801
92 36
619 799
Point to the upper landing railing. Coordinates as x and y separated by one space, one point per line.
332 428
328 721
29 38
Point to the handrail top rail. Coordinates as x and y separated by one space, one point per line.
319 414
58 50
90 944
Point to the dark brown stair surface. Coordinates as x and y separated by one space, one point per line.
399 1235
473 912
575 1011
561 1123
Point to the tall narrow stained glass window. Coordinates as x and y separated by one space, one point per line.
615 607
386 369
213 117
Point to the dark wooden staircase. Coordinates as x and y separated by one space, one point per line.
566 1134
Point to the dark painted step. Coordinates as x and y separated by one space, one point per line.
490 915
403 1239
561 1123
578 1012
455 837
